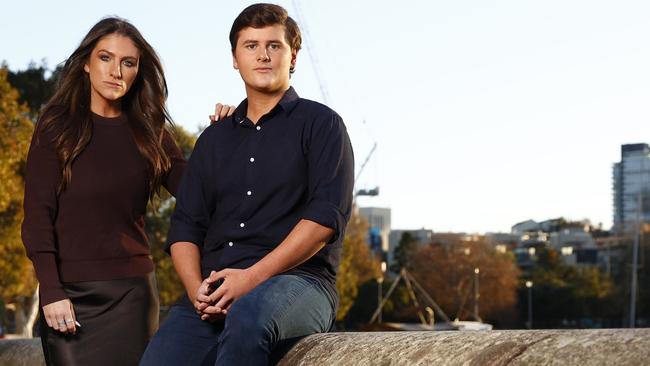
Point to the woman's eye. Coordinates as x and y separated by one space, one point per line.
104 57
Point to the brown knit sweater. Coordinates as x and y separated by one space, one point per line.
94 230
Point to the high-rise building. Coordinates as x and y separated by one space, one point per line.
631 188
379 226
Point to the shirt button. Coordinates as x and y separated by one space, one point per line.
258 128
252 160
249 193
242 225
230 244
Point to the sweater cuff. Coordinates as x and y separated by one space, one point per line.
50 295
51 289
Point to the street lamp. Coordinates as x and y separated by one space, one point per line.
380 281
476 294
431 317
529 285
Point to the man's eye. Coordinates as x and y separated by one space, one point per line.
251 46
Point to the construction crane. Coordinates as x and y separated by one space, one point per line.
325 95
310 51
365 192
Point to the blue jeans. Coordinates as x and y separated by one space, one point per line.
284 308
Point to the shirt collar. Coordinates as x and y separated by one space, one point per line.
287 103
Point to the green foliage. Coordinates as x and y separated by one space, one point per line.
562 292
364 304
643 306
159 212
34 85
15 134
405 248
623 278
398 306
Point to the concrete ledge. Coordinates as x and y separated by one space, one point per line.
21 352
514 347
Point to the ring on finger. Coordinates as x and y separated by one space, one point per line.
68 321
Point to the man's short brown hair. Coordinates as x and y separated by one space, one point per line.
264 15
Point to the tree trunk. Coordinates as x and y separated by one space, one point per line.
33 312
26 313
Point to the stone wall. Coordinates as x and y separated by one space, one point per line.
511 347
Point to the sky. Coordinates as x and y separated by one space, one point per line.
484 114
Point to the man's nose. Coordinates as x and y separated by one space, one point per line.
263 55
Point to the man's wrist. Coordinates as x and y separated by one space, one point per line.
193 290
258 274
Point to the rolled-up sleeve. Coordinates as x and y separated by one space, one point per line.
330 175
191 218
42 178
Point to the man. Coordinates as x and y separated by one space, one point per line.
260 213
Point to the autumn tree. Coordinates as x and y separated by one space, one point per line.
17 282
357 265
447 273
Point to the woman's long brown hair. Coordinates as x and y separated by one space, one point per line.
67 115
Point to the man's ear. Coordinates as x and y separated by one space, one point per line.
294 57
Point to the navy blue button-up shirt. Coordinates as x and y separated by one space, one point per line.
247 185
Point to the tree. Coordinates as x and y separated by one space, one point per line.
159 212
572 296
357 265
34 85
403 251
447 273
623 279
17 280
643 305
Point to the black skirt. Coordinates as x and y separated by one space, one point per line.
117 317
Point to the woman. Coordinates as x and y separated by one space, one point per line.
101 149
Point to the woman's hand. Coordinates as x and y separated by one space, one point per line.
60 316
221 111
